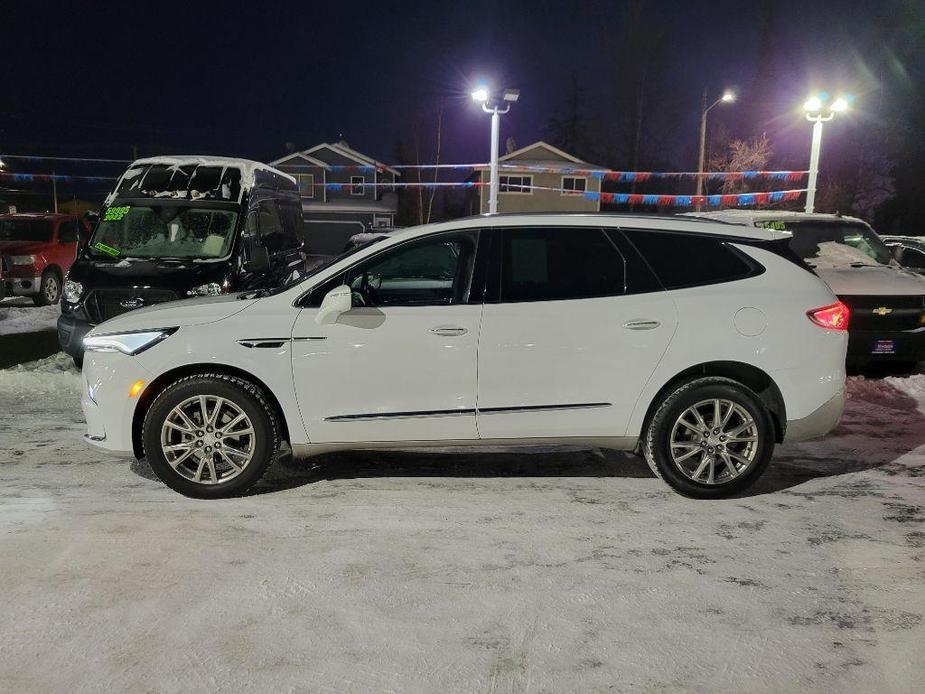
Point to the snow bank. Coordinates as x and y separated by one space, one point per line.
54 374
19 315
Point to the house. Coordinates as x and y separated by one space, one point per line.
543 178
342 194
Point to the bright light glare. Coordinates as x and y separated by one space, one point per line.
728 96
813 104
840 104
480 94
2 164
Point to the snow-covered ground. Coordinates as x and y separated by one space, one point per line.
451 572
19 315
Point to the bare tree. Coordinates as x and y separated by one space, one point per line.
742 155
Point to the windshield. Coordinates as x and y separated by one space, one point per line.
837 244
25 230
163 231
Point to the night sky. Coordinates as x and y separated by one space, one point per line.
216 78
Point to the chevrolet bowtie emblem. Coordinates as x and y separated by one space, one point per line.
883 311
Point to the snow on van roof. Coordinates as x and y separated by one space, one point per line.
247 166
752 216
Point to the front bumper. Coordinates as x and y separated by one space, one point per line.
108 409
907 345
71 333
818 423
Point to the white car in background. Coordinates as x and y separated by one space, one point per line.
698 344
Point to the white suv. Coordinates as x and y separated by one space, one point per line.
697 343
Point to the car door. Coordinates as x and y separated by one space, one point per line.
401 364
571 331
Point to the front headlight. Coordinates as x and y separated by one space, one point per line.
130 343
73 291
210 289
22 259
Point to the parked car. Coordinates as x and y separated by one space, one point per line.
887 302
908 251
698 344
175 227
36 251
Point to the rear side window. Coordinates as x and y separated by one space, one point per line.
67 232
548 264
688 260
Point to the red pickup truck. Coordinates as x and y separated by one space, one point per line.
36 251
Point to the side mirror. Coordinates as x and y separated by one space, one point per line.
336 302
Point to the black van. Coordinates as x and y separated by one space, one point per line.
175 227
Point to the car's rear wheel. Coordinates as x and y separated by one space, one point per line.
710 438
210 435
49 291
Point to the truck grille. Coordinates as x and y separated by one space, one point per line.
103 304
885 313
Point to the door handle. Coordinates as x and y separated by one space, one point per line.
641 324
449 331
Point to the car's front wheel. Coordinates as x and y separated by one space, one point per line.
711 437
210 435
49 291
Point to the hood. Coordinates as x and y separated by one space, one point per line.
177 314
872 280
178 276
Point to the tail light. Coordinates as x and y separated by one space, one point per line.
833 317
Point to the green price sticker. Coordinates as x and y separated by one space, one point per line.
102 247
776 226
115 214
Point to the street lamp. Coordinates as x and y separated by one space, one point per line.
483 96
819 111
728 97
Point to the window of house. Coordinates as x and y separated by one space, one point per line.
433 271
688 260
574 185
549 264
516 184
306 185
357 186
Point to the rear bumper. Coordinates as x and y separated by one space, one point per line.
71 333
818 423
21 286
908 345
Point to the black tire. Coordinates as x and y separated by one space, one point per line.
244 395
49 290
658 436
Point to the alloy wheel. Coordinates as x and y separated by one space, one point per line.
714 441
208 439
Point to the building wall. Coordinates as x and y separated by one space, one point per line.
541 200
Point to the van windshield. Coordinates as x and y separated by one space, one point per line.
150 230
837 244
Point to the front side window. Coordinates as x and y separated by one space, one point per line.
430 272
548 264
516 184
38 230
67 232
913 257
150 230
688 260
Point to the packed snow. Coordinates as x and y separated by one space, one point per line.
20 315
572 571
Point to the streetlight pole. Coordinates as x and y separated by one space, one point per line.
817 113
509 96
727 98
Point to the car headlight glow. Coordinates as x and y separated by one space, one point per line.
73 291
22 259
130 343
210 289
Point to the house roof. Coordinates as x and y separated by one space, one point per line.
345 151
301 155
569 163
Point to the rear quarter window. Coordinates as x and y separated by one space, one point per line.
690 260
